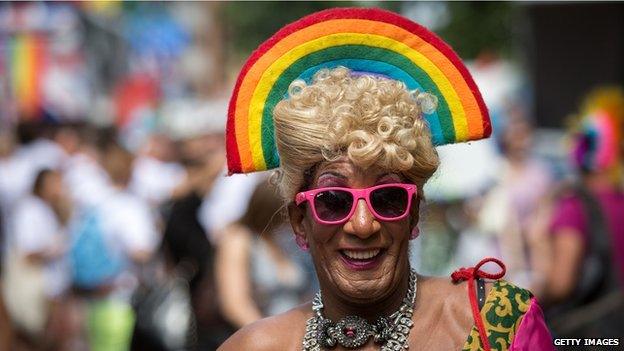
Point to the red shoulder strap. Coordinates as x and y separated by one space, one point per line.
470 274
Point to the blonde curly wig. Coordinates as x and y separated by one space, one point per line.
372 120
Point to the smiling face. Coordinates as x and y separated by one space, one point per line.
364 259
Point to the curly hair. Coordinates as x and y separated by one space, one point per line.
372 120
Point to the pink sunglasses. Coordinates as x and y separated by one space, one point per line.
335 205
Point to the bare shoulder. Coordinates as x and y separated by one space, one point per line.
443 314
282 332
452 296
445 286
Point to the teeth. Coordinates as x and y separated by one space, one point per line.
361 255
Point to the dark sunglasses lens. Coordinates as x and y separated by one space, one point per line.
390 202
333 205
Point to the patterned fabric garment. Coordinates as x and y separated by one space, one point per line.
513 320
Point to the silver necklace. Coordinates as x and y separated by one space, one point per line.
351 332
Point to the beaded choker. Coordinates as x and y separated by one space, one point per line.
351 332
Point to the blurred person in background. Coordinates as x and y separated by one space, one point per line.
201 205
111 241
7 144
6 329
226 201
186 243
87 181
34 151
38 275
584 284
258 274
197 127
6 149
155 173
503 220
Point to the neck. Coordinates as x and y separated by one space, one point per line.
336 307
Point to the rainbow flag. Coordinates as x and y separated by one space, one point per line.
25 62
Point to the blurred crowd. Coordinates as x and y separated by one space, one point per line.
157 249
113 194
120 229
104 248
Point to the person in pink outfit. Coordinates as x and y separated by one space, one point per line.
587 227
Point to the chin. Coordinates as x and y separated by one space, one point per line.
364 284
365 292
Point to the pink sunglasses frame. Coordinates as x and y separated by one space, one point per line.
357 195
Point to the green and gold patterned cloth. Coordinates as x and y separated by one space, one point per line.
502 313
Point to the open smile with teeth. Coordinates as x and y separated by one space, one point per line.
361 254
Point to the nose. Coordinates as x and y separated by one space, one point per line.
362 224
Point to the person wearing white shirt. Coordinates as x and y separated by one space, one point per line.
37 272
155 175
34 153
129 229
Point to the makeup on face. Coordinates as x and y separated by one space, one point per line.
362 259
333 202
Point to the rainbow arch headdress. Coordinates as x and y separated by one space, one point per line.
364 40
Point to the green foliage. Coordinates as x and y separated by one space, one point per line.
248 24
478 26
472 28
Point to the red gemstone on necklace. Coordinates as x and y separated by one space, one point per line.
349 331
